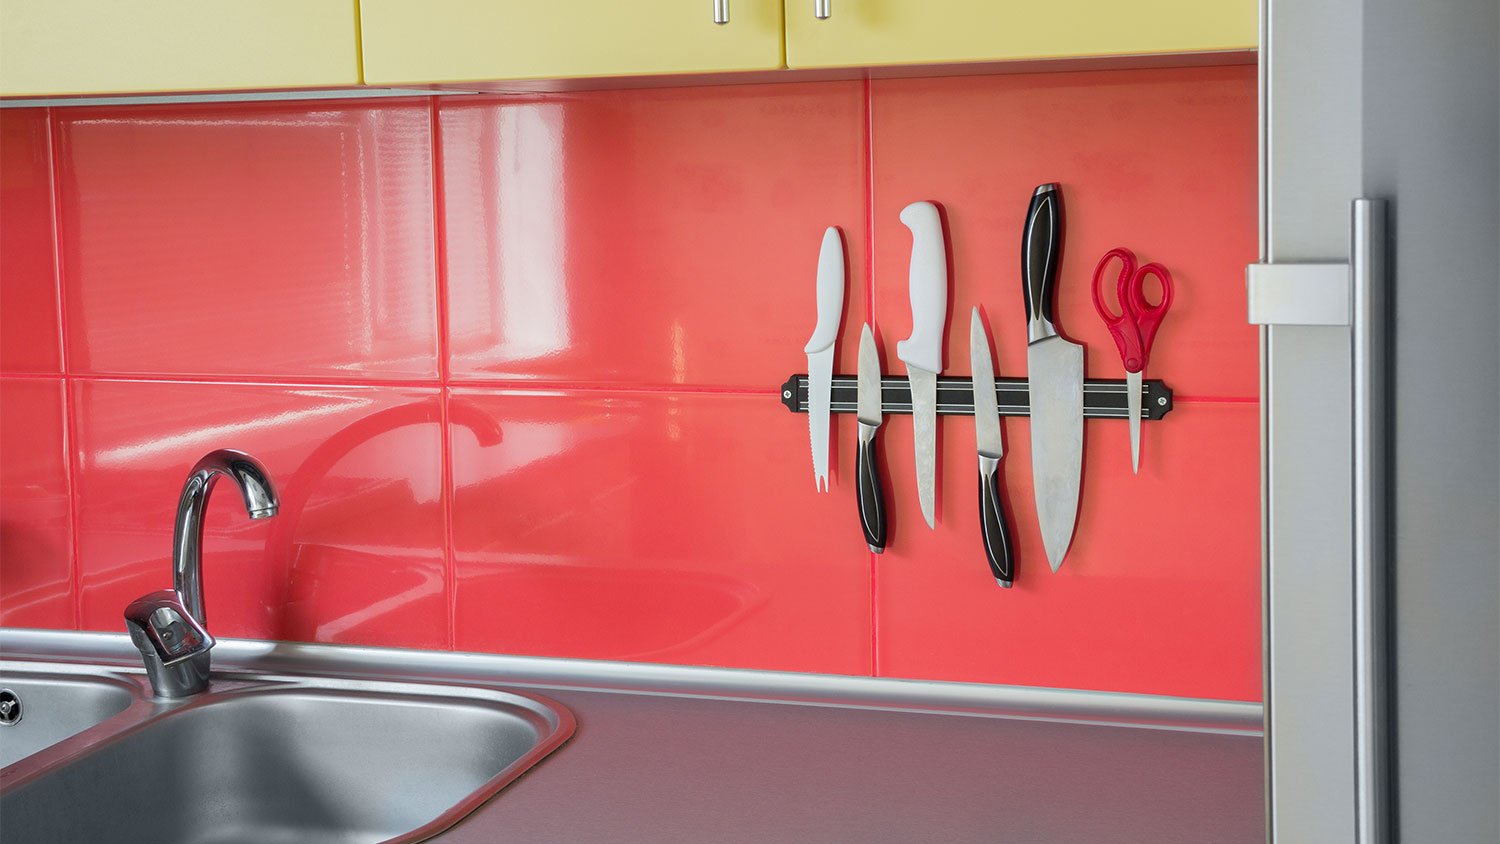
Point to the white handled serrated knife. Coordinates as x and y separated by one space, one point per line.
922 352
1054 369
830 296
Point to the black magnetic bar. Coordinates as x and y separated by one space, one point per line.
1102 399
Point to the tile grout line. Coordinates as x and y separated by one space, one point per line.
446 492
499 386
433 384
867 113
71 456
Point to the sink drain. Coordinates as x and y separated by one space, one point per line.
10 707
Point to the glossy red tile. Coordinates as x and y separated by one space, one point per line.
654 527
355 554
1159 594
1160 161
665 236
29 337
261 240
36 546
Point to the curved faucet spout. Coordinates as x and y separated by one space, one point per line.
187 540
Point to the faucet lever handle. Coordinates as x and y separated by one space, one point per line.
159 624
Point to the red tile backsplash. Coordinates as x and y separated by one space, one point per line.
355 553
29 334
1158 592
653 527
284 241
36 541
513 361
699 209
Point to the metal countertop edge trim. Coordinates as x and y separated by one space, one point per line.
747 685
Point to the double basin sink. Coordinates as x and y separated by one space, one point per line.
87 754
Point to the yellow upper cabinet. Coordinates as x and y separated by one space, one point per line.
409 41
882 32
57 47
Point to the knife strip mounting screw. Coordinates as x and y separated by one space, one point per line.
786 394
10 707
1161 400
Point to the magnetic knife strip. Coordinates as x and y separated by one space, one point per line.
1102 399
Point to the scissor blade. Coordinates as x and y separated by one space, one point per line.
1133 402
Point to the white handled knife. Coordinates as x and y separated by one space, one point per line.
1054 370
820 350
922 352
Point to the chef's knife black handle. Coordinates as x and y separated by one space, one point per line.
1040 249
997 545
871 502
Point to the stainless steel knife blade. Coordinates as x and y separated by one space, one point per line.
868 408
1055 369
819 398
924 428
986 409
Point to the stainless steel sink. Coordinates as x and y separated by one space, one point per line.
282 759
41 708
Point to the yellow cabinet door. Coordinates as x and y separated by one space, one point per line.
881 32
414 41
58 47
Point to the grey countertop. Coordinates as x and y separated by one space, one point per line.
649 768
667 754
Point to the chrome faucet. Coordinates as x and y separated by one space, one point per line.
169 627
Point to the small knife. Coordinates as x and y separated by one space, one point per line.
830 296
996 532
1054 370
871 501
922 352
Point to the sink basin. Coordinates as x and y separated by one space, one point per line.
49 706
278 759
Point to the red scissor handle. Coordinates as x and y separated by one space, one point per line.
1135 327
1147 316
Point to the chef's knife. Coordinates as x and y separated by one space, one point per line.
1055 372
922 352
871 503
997 547
820 350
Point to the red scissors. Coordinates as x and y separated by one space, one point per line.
1134 328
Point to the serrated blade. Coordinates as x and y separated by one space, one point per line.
924 432
868 381
819 397
1055 373
986 409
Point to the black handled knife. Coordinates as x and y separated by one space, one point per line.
997 545
871 502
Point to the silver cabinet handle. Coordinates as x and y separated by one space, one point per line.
822 9
1370 277
721 12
